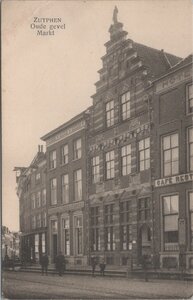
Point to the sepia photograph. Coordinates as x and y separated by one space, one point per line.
97 149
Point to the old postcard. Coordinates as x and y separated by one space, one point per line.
97 106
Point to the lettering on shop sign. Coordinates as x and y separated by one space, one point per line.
65 133
173 79
67 207
174 180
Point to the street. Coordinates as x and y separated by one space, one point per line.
21 285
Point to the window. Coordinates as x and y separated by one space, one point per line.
33 201
189 98
52 159
33 222
110 113
43 197
64 154
190 196
125 224
170 156
95 237
143 209
95 169
78 234
78 185
38 199
110 165
53 189
43 243
38 220
190 149
77 149
54 226
125 106
144 154
66 236
109 230
65 188
126 160
38 178
44 221
170 221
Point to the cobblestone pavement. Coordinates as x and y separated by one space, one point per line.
20 285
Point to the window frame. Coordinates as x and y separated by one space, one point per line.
64 156
52 189
110 162
126 156
52 160
110 113
144 160
95 169
65 196
76 185
163 152
77 151
189 156
188 111
125 103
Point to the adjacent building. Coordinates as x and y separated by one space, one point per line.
173 169
10 243
31 190
66 189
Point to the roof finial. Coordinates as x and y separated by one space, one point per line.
115 13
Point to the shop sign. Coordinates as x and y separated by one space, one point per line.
173 79
174 180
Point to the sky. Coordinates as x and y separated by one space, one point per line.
46 80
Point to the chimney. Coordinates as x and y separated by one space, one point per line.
39 150
42 148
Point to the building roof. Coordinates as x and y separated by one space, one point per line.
157 61
65 125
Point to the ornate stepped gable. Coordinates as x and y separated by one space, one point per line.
124 56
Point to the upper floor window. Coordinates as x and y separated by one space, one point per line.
190 196
33 201
110 165
77 149
143 209
189 98
52 159
126 159
33 222
170 221
144 154
53 190
65 188
190 149
38 197
38 178
126 106
110 113
78 185
64 154
39 220
44 219
43 197
95 169
170 155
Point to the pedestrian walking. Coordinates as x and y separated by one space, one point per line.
102 266
93 264
44 261
60 263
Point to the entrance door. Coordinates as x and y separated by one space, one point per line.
55 248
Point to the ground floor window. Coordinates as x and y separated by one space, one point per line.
78 234
170 222
109 238
125 236
95 239
190 196
66 236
